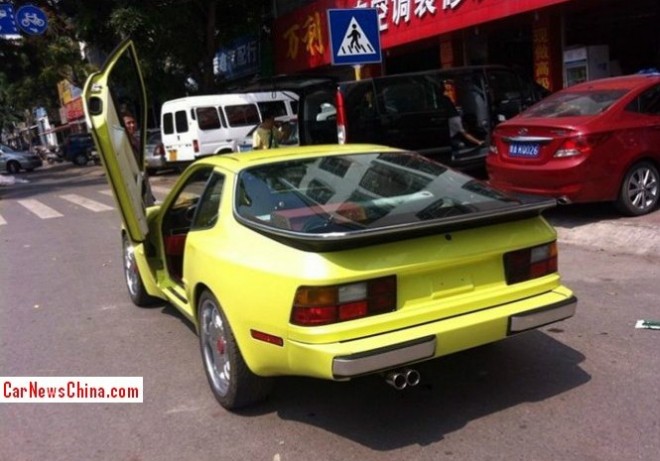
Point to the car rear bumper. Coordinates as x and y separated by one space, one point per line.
571 179
31 164
423 342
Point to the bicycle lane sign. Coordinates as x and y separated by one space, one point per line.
7 24
31 20
354 36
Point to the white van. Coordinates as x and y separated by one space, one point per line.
196 126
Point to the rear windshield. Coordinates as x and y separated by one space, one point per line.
359 192
575 103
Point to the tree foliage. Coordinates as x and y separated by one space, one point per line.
176 41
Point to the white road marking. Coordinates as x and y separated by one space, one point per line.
86 203
2 221
38 208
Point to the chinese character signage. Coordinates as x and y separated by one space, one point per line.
239 59
301 39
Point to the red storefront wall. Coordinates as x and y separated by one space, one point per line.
301 39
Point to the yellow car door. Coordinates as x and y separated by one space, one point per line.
115 102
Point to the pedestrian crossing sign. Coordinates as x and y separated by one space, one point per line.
354 36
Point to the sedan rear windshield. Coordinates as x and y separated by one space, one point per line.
360 192
571 104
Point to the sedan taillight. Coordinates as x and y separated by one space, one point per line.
314 306
530 263
580 145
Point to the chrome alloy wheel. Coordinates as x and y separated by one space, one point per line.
213 335
643 188
131 269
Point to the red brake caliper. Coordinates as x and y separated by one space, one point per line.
220 346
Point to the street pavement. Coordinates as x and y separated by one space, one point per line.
583 389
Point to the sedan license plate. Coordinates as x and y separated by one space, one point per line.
172 155
524 149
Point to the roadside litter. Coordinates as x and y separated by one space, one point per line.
649 324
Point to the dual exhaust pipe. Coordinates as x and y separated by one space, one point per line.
402 378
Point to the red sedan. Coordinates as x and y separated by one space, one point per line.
592 142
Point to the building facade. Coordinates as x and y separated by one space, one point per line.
557 42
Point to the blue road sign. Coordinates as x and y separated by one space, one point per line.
354 36
31 20
7 23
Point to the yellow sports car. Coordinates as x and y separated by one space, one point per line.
328 261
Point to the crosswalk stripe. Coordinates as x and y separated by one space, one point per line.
38 208
106 192
86 203
2 221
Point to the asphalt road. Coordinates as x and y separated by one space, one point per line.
585 389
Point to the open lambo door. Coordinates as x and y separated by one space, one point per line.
115 102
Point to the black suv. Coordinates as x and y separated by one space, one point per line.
79 148
411 111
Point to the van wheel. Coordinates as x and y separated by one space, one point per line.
233 384
640 190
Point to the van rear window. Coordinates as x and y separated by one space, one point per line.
242 115
168 123
181 121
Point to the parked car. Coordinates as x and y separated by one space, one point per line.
154 152
79 148
592 142
327 261
13 161
411 111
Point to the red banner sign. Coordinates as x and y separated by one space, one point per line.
301 38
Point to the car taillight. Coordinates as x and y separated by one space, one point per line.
530 263
341 118
314 306
580 145
196 146
159 151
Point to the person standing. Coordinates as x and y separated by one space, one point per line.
266 136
